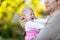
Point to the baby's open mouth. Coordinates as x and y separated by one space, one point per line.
32 18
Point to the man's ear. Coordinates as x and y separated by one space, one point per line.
58 2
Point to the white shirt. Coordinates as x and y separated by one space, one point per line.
36 25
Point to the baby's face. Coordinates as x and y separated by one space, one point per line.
29 15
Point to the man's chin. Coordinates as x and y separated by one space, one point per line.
48 10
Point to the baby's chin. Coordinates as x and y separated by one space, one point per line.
32 19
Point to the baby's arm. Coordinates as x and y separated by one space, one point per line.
33 25
41 21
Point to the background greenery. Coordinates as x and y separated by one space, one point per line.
10 12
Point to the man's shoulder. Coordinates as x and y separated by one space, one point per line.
57 13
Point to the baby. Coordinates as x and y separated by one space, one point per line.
32 26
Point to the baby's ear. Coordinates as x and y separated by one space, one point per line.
58 2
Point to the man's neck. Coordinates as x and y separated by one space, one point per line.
58 9
53 10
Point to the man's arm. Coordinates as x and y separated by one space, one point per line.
50 30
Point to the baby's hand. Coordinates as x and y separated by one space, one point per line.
23 21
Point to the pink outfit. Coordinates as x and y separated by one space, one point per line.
31 34
33 28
